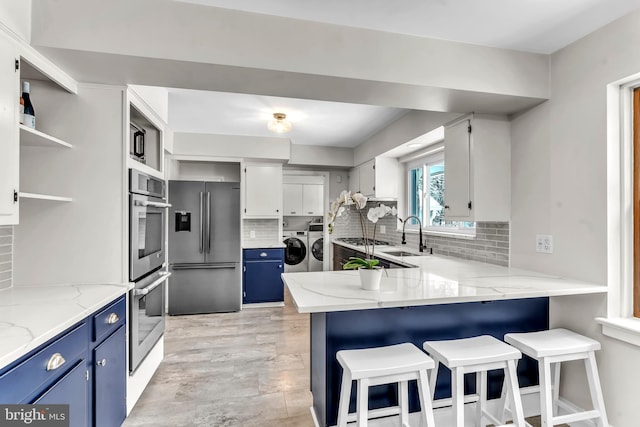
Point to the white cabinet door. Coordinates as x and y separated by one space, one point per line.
457 170
292 199
478 169
367 178
354 180
263 190
312 199
9 142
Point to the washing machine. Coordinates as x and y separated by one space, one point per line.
296 253
315 244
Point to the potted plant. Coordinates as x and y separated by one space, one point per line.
370 272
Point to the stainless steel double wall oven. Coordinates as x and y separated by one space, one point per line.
147 268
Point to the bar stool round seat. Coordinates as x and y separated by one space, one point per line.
400 364
477 355
551 348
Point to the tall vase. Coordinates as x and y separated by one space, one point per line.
370 278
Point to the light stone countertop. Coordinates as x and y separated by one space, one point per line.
435 279
258 245
32 315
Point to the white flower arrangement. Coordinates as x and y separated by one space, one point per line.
347 198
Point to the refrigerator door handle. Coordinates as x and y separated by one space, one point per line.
221 265
201 224
208 204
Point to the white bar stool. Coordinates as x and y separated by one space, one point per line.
384 365
551 348
477 354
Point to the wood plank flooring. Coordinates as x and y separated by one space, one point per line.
244 369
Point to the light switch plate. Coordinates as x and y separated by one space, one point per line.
544 243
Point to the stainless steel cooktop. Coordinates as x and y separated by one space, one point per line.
359 241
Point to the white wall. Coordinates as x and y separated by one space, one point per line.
205 171
559 188
314 155
156 97
405 129
230 146
16 17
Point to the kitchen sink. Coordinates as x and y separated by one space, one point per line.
402 253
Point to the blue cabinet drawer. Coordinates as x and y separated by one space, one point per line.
263 254
18 384
109 319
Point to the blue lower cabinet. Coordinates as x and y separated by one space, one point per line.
261 275
110 381
85 370
71 389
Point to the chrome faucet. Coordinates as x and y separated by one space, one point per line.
421 247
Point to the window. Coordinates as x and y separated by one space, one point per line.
623 211
425 179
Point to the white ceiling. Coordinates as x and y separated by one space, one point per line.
542 26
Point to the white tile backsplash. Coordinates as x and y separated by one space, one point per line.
265 232
490 245
6 256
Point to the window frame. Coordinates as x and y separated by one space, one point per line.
434 156
622 145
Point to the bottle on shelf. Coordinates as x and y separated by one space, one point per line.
29 112
21 110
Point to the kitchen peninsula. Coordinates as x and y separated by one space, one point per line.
440 298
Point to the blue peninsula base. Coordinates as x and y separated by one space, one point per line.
334 331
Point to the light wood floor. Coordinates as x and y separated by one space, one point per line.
244 369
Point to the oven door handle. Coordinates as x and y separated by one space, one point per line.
152 204
152 286
177 267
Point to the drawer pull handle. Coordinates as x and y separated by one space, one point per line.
263 254
55 362
113 318
102 362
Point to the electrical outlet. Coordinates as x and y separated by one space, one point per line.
252 234
544 243
383 229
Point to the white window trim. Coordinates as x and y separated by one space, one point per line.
619 322
434 154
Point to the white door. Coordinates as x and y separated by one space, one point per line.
9 139
457 170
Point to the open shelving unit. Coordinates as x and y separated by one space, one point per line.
34 138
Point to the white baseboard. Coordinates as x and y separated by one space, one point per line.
263 305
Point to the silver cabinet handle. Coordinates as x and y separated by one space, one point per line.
263 254
152 204
113 318
145 291
55 362
102 362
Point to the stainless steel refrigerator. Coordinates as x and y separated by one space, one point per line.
204 247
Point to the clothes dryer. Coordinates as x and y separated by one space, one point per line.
316 246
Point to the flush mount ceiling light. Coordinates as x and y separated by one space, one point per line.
279 123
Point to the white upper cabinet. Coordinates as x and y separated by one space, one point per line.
378 178
477 156
10 157
312 199
292 199
303 195
20 62
262 190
